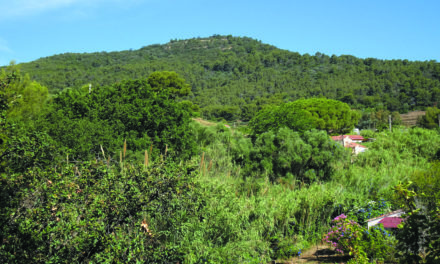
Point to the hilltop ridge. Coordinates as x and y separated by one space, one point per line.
232 77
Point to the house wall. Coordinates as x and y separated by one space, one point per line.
358 150
347 141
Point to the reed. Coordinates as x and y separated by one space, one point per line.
209 165
120 158
146 159
125 147
103 154
202 163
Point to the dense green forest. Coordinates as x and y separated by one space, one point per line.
120 172
234 77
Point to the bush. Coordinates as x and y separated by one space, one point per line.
419 237
431 119
94 212
370 210
348 237
130 110
304 157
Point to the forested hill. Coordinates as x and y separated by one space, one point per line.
232 77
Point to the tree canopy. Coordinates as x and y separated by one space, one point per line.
25 98
170 81
431 119
289 155
240 72
130 110
316 113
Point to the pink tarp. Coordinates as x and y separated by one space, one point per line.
391 222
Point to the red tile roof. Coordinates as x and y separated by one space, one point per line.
352 137
356 137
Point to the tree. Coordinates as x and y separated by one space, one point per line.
170 81
25 98
316 113
419 237
379 119
96 212
130 110
287 154
21 147
431 119
272 118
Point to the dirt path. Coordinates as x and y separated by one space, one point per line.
204 122
316 255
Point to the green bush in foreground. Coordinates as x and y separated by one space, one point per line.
92 212
348 237
419 237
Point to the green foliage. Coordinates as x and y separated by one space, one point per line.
170 81
106 116
330 115
402 144
243 72
25 98
254 199
317 113
94 212
372 209
191 108
21 146
431 119
348 237
26 149
371 119
419 237
272 118
220 112
287 154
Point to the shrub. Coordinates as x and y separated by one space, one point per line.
348 237
370 210
95 212
130 110
286 154
419 237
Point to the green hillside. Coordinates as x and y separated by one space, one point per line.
232 77
126 172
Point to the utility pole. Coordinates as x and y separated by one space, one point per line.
389 121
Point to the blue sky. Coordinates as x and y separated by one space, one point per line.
387 29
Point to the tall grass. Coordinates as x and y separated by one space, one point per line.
245 213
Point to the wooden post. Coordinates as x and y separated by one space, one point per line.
438 120
389 120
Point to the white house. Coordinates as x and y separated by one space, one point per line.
351 141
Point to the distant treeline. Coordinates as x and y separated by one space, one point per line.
233 77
